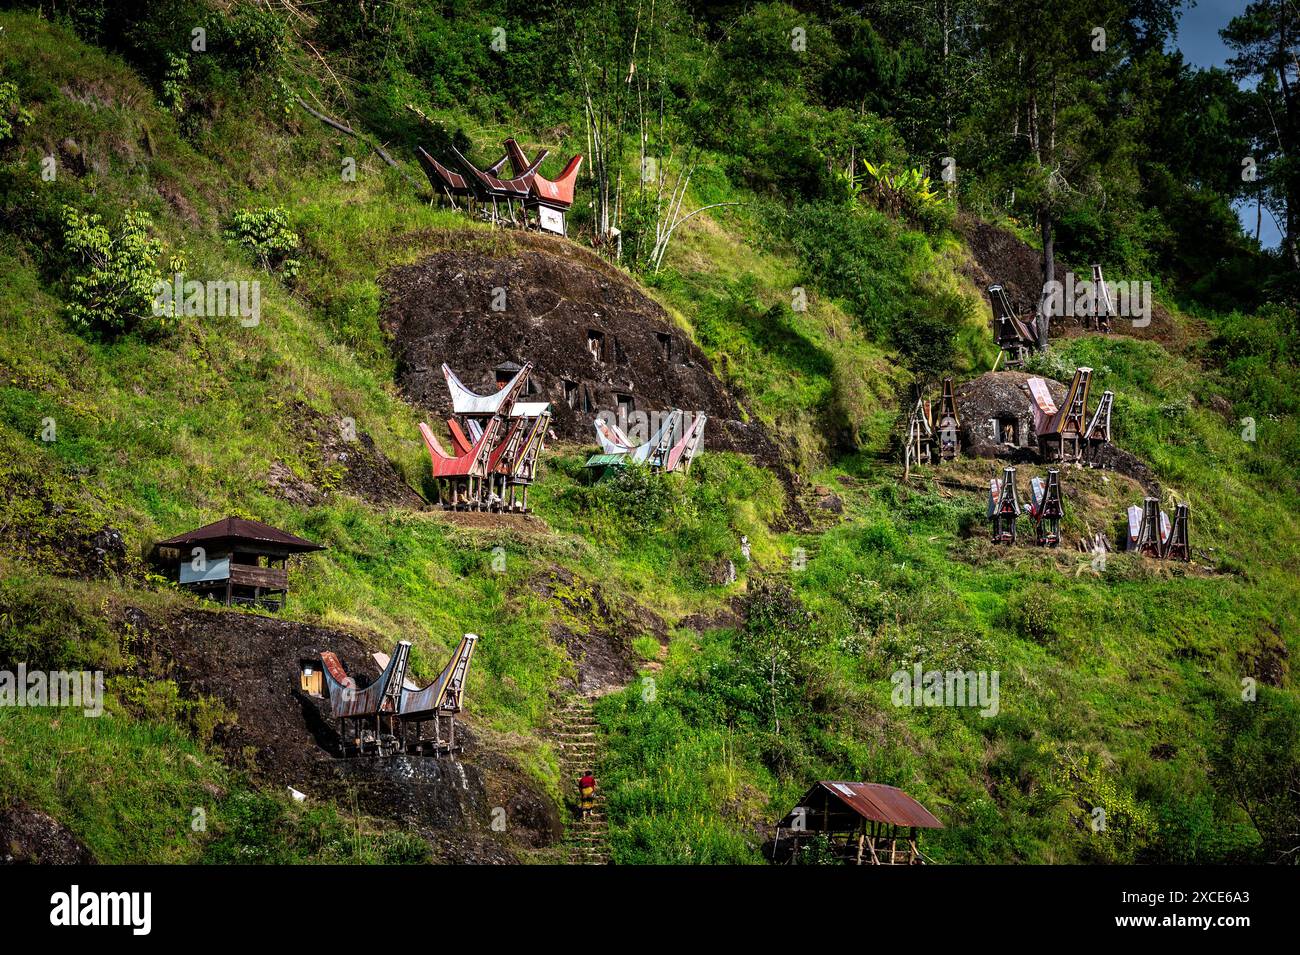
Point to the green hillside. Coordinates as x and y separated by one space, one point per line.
819 298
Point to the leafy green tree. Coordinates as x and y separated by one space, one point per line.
1256 758
13 115
115 273
775 643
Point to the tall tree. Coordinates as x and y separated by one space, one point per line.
1054 67
1265 40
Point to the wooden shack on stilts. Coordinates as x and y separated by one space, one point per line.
233 561
860 823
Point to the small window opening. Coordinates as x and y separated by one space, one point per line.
665 345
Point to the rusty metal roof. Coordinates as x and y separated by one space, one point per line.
240 529
874 801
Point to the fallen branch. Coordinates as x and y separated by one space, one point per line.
326 120
344 128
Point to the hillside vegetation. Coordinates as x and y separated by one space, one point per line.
1158 691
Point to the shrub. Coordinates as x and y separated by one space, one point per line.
251 41
113 291
636 495
12 112
908 192
266 233
173 83
1034 614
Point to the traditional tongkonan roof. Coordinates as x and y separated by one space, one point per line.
487 182
670 448
466 402
446 693
1002 494
472 462
1007 326
382 696
1072 414
530 409
611 437
440 177
554 192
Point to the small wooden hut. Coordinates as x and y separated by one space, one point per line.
234 560
862 823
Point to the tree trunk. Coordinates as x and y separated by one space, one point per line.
1049 273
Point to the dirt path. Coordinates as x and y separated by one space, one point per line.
577 735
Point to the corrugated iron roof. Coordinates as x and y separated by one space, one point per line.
874 801
238 528
605 461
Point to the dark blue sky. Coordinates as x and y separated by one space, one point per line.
1198 38
1198 31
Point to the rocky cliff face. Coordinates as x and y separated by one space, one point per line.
598 345
251 664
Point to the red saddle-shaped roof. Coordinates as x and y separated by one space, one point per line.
552 192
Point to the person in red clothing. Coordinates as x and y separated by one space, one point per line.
587 794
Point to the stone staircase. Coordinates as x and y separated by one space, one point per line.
577 737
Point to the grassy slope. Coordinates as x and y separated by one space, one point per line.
155 438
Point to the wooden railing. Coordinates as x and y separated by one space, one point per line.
268 578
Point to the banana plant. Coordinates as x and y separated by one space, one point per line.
901 191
